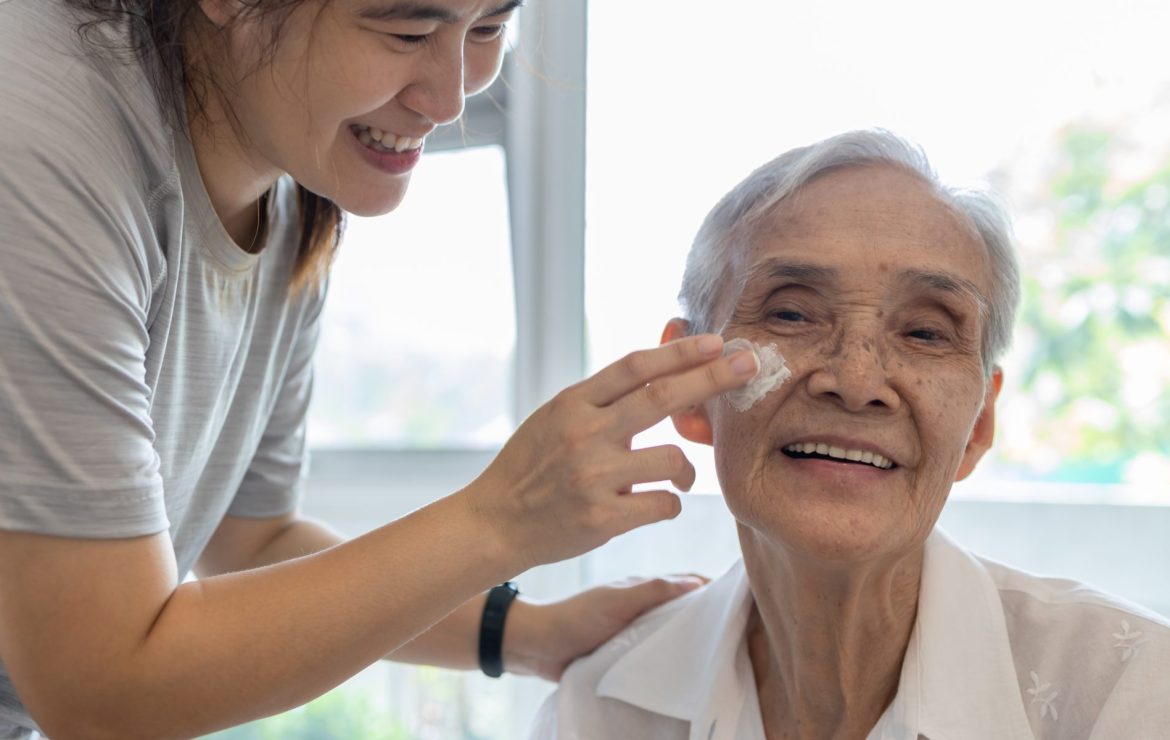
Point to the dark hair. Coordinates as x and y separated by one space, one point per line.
157 34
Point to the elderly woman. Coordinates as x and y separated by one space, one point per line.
891 296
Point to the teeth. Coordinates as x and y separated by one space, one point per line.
840 453
386 141
405 143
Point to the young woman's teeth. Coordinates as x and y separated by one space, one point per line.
384 141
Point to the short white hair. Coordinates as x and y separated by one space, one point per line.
731 223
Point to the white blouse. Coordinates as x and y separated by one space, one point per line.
995 653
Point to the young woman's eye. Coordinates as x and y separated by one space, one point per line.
489 33
410 39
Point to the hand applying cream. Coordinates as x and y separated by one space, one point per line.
772 373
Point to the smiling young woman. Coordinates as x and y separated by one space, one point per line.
172 181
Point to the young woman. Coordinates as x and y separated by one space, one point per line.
160 283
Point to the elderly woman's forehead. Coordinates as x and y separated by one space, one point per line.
877 192
850 202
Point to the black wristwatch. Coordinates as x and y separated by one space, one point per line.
491 628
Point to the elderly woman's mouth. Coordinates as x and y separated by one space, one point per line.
822 451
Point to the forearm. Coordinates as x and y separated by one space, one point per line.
231 648
452 642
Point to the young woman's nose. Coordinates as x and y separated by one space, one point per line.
438 92
853 373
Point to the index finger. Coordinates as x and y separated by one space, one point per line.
637 369
652 403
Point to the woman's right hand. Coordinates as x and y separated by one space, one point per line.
561 486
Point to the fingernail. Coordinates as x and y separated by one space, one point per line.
744 363
710 345
687 584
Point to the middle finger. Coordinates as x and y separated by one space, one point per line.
650 404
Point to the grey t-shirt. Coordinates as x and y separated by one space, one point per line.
153 376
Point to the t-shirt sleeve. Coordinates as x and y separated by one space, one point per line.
274 482
76 441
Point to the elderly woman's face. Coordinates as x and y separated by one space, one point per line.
871 289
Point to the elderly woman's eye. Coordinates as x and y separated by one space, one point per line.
926 335
787 315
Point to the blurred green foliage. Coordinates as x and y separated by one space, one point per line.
1097 306
346 713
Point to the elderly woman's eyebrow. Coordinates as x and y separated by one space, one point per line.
775 269
416 11
948 283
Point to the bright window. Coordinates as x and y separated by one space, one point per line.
419 329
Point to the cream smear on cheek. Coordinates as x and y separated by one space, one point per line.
771 374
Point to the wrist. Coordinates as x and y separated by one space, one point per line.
525 637
488 541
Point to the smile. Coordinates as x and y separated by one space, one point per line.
820 450
384 141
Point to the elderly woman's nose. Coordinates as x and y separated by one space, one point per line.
853 373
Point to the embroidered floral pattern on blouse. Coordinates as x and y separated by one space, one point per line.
1043 694
1128 642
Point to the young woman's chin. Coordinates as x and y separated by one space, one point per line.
372 202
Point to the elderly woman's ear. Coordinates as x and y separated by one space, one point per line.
691 423
984 431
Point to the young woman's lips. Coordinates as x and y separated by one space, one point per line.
394 163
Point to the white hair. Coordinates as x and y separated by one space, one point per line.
730 224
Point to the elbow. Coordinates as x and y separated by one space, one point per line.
78 725
110 722
67 725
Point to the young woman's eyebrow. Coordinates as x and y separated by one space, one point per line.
416 11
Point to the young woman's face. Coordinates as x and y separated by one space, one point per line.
355 86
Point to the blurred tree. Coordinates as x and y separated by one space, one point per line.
346 713
1096 308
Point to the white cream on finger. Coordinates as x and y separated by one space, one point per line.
771 374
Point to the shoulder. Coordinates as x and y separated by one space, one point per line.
575 711
73 103
87 164
1040 602
584 675
1109 652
